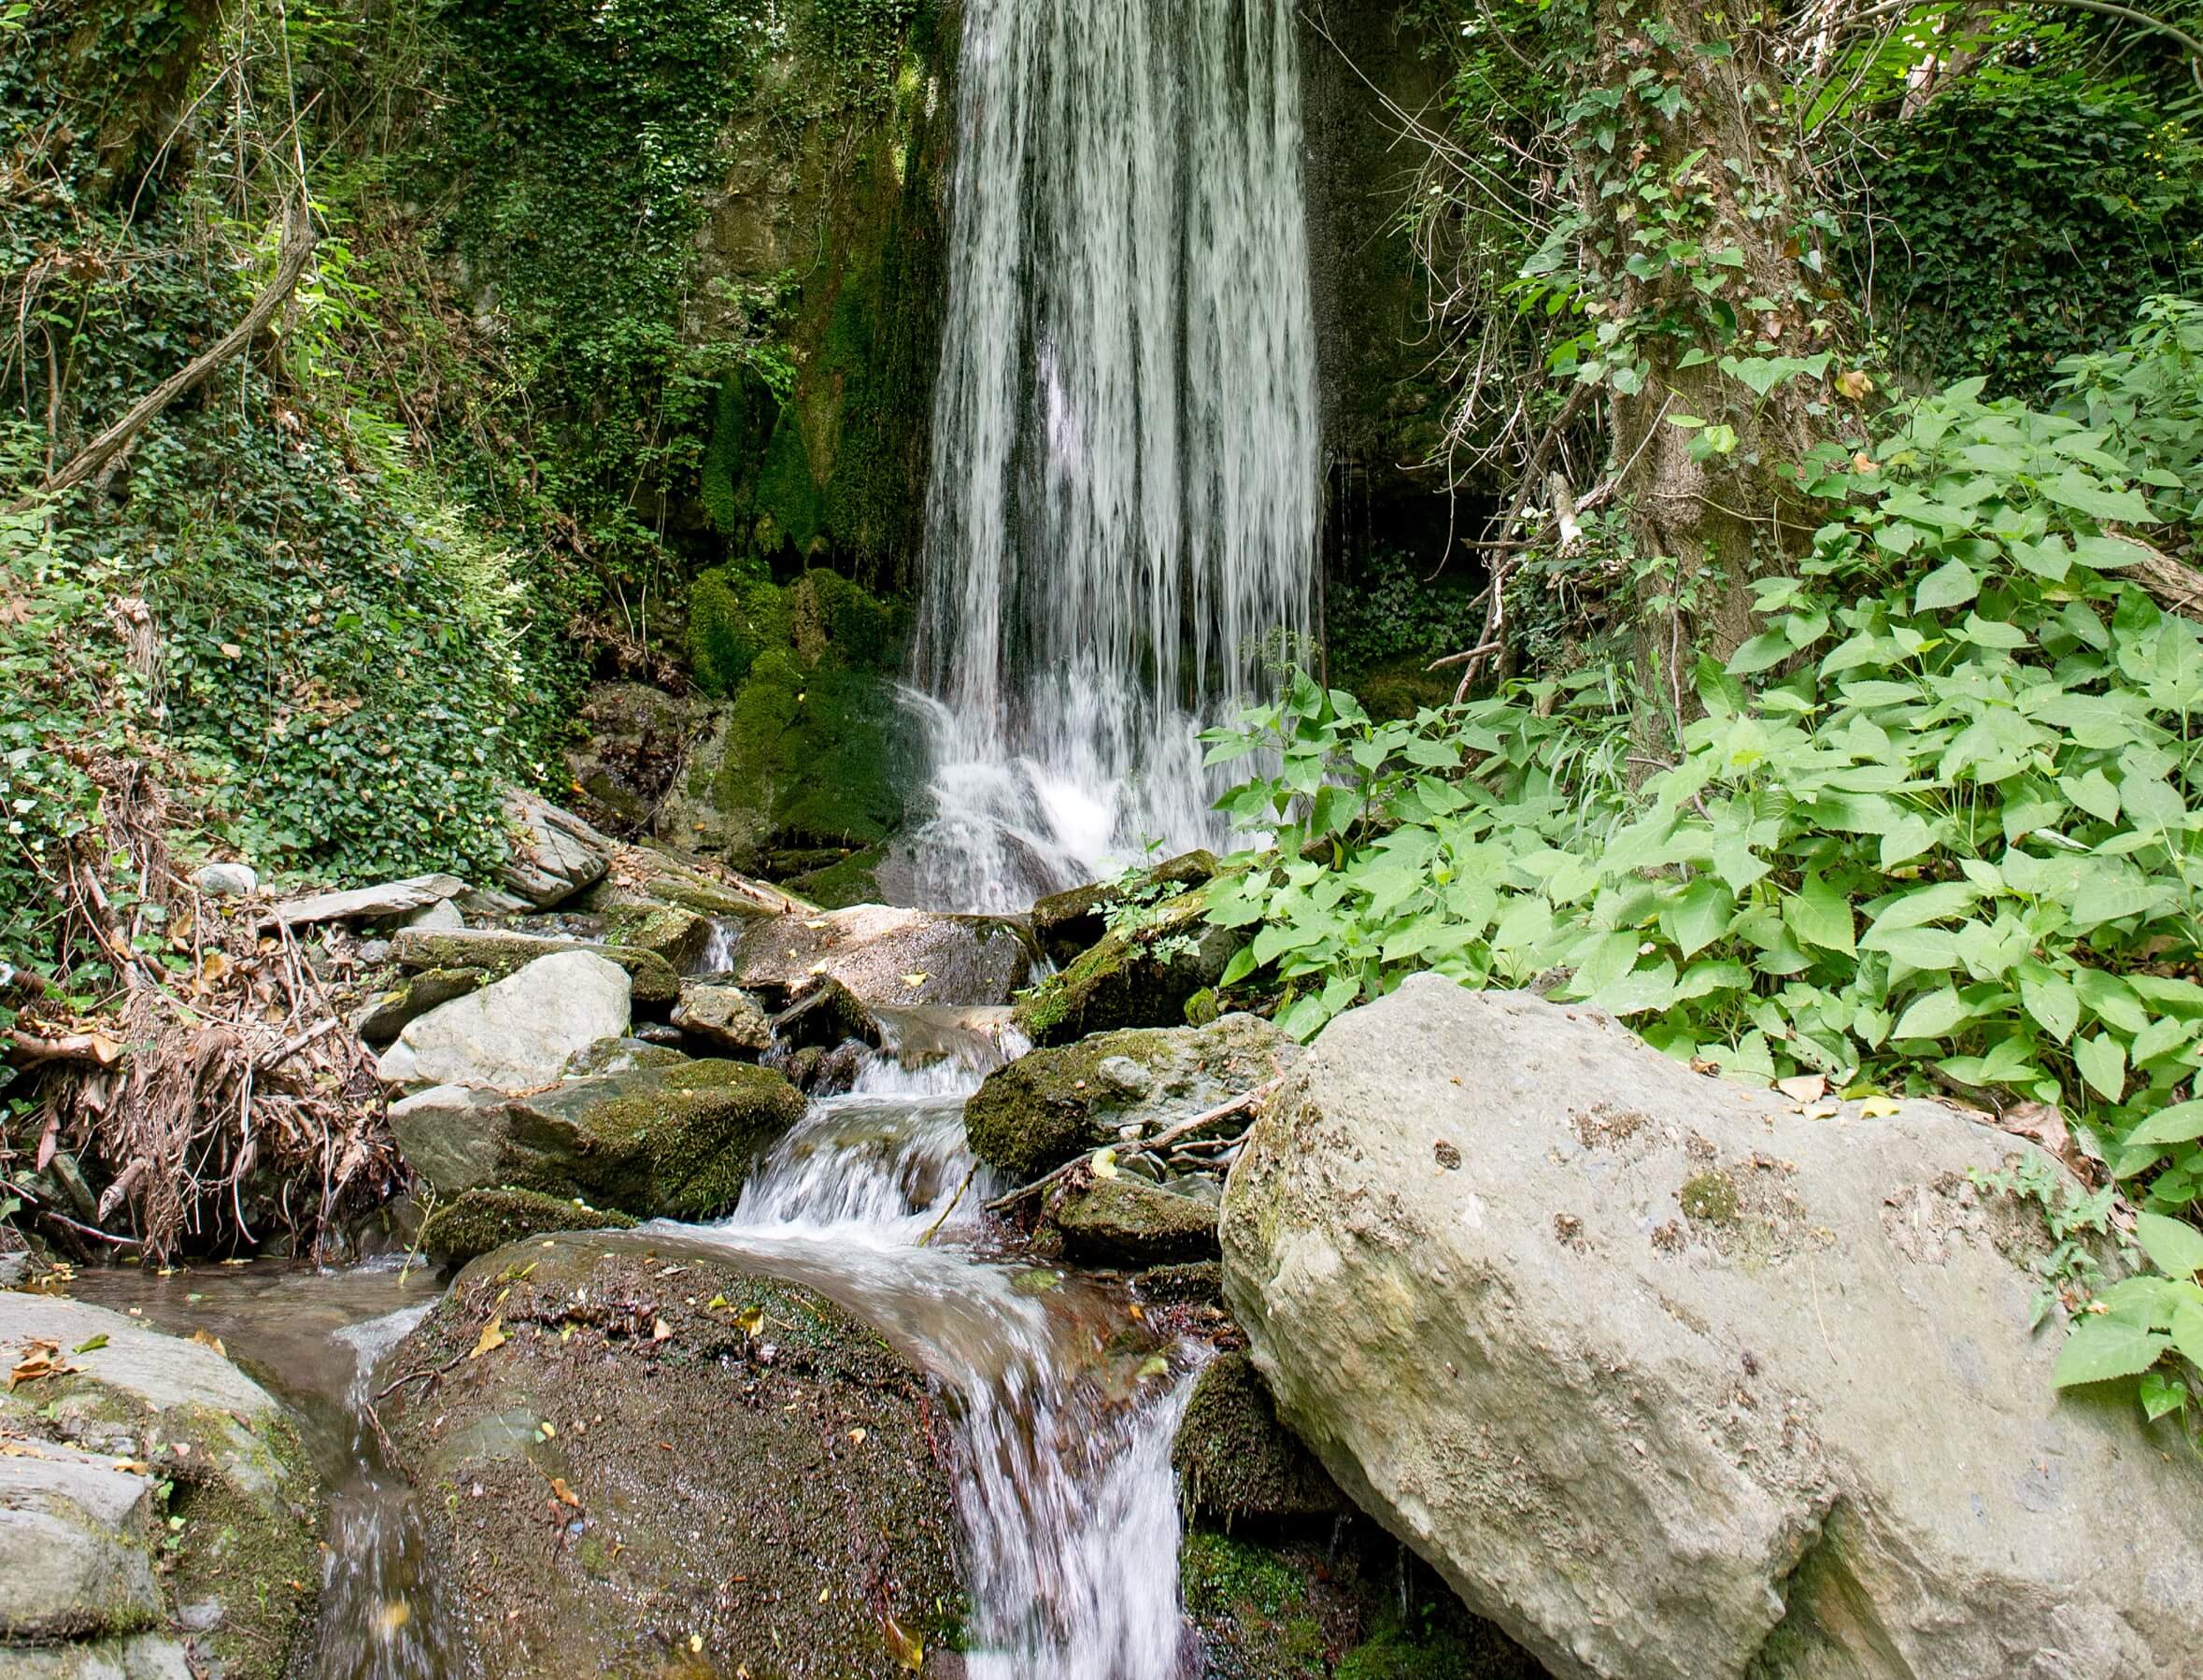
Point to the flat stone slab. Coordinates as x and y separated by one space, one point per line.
365 903
76 1558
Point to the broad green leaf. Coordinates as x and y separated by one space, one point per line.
1820 916
2102 1062
1934 1015
2187 1333
1951 584
2053 1003
2180 1123
2101 1349
2175 1248
1700 917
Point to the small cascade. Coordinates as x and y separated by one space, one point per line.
1123 510
1069 1505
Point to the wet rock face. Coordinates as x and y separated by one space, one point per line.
887 956
147 1488
1128 1221
1669 1380
1049 1105
723 1017
1143 976
675 1142
1236 1461
705 1469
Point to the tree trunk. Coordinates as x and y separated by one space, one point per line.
1699 249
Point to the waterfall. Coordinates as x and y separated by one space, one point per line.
1123 503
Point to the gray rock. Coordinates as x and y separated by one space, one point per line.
620 1056
518 1033
725 1016
1671 1381
76 1546
1066 923
1049 1105
226 880
500 953
887 956
142 1656
388 1013
241 1499
551 855
1150 974
367 903
444 915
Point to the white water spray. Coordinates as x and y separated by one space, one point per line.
1124 497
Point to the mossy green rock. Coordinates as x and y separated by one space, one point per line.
388 1013
760 1481
1066 923
1051 1104
1235 1460
1129 1221
675 1142
497 953
1132 977
669 930
476 1221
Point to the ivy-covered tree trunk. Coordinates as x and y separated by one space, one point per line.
1703 264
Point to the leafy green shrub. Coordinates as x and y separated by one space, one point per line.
1943 821
732 618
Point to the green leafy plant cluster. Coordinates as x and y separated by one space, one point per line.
2014 215
1940 825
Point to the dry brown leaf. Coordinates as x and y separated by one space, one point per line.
207 1339
1804 1087
661 1330
491 1340
563 1494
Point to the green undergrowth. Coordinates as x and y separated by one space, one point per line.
1940 825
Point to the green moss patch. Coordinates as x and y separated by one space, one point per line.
477 1221
1235 1460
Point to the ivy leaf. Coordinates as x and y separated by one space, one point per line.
2102 1349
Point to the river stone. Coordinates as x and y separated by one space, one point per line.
673 1142
241 1498
887 956
1145 976
76 1544
226 880
500 953
1126 1220
516 1034
386 1014
1236 1461
725 1018
1671 1381
473 1222
749 1467
366 904
550 854
441 916
1049 1105
622 1056
142 1656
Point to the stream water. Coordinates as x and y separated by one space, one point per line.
1068 1503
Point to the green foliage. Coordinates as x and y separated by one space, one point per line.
1946 813
1392 612
732 618
2012 218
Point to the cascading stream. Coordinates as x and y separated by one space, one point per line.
1123 507
1069 1505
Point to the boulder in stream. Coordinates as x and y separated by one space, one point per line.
1067 923
1123 1220
648 1460
147 1486
516 1034
673 1142
1675 1382
1052 1104
550 854
726 1018
887 956
499 953
1141 976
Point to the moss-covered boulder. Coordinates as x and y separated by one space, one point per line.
475 1222
1326 1600
1235 1459
227 1509
497 953
388 1013
888 956
673 932
660 1462
1051 1104
675 1142
1139 975
1122 1220
1066 923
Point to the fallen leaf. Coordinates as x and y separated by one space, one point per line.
1804 1087
209 1339
93 1346
904 1645
1105 1163
661 1330
1878 1108
858 1436
914 980
491 1340
563 1494
1854 384
550 1429
231 650
751 1318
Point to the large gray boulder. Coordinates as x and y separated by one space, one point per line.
98 1568
518 1033
550 854
1676 1382
887 956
